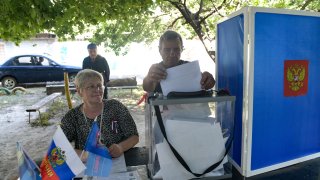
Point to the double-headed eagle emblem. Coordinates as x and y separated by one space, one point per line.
57 157
295 76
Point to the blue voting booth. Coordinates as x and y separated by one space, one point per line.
270 60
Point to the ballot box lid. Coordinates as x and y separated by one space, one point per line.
167 101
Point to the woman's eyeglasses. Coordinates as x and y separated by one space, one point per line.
93 87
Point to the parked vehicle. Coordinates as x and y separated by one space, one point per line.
33 69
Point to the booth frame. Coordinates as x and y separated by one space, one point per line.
248 88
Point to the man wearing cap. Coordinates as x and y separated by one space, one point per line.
97 63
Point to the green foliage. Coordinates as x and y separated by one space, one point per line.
197 18
23 19
116 34
44 121
117 23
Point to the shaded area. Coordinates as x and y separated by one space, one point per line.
14 124
309 170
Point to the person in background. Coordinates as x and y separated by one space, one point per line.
39 63
118 130
97 63
170 48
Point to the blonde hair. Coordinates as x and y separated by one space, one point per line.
85 76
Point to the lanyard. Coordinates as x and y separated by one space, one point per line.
95 119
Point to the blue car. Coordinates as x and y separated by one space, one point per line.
33 69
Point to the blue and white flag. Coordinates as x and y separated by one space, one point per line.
99 160
93 145
28 169
98 166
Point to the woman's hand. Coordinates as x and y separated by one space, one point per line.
78 151
84 155
115 150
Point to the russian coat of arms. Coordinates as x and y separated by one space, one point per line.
296 77
57 157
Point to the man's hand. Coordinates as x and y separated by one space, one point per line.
207 81
115 150
157 72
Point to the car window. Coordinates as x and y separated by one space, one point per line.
46 62
41 61
53 63
12 63
22 61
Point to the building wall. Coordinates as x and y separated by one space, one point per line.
135 63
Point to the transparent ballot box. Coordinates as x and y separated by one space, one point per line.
189 137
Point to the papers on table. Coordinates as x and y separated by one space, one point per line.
118 165
118 171
201 144
182 78
132 175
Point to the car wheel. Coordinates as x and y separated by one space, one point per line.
9 82
72 77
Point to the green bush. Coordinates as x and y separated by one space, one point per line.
57 107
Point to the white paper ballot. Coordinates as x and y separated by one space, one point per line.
118 165
171 169
199 143
182 78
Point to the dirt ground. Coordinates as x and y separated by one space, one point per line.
14 124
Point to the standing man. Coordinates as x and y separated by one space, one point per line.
97 63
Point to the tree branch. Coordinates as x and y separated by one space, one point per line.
158 16
174 21
216 10
193 21
221 5
186 9
306 4
207 31
172 2
186 14
200 8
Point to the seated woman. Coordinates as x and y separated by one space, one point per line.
118 129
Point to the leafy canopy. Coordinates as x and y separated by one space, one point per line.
117 23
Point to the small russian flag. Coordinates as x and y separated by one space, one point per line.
61 161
